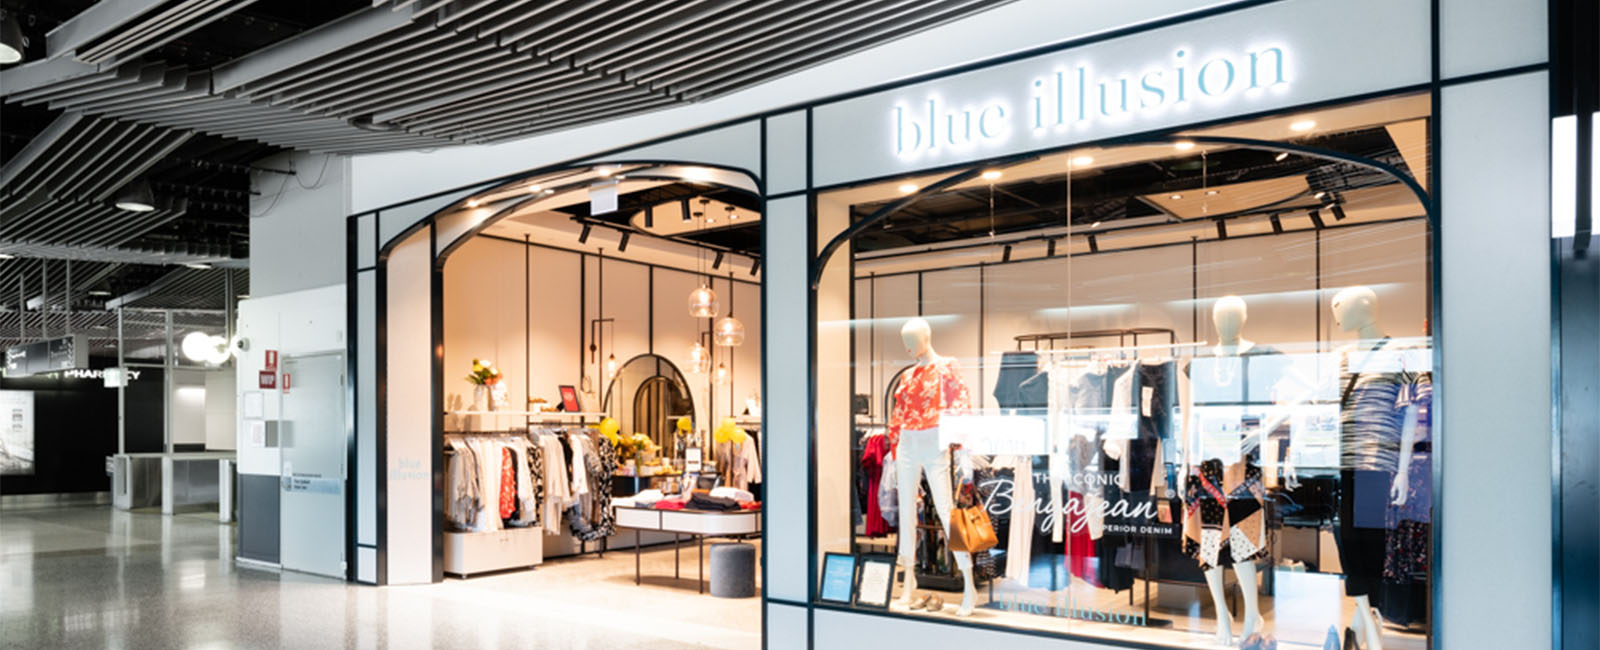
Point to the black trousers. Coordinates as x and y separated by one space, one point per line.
1363 497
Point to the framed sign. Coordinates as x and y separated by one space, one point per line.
569 400
268 379
691 459
875 581
838 578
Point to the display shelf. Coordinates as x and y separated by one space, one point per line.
534 413
466 554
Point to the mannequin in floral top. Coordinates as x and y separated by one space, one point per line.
926 391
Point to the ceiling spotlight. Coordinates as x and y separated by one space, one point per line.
549 192
198 265
583 237
1319 195
1338 212
755 267
1212 192
1184 145
603 171
1175 197
99 292
136 197
992 175
731 215
1094 225
11 40
1281 156
622 247
534 188
716 264
1082 161
472 203
907 188
1303 125
7 256
1005 254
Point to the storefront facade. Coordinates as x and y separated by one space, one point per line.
1462 91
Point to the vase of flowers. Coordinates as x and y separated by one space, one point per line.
484 378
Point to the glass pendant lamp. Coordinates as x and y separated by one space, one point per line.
722 375
729 332
703 303
699 358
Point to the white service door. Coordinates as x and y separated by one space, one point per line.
312 440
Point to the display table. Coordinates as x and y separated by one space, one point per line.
174 479
697 523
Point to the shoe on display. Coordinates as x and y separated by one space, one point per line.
920 603
935 604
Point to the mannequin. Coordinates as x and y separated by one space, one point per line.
1374 407
1223 380
931 387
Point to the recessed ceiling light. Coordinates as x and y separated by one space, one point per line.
534 188
99 292
472 203
7 256
1281 156
603 171
1094 225
1184 146
1176 197
1212 192
549 192
992 175
1082 161
198 265
1319 195
1303 125
907 188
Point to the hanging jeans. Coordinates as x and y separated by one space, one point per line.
918 452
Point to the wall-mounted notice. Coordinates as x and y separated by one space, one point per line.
16 432
50 355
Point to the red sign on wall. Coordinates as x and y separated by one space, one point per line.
272 360
286 382
269 379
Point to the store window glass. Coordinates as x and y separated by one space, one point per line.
1173 393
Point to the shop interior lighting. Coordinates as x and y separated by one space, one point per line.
622 247
1212 192
992 175
604 172
1222 229
99 292
907 188
1277 224
1319 195
1050 248
534 188
7 256
1280 157
11 40
1005 254
1176 197
755 267
1094 225
1082 161
1184 145
717 263
137 197
205 348
1303 125
473 203
1094 244
583 237
721 377
1338 211
198 265
731 215
1316 218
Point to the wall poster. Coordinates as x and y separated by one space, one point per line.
16 432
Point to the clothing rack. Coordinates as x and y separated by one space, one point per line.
1122 335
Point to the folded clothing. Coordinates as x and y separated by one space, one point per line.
733 493
707 502
672 503
647 498
749 505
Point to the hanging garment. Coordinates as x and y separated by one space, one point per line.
557 484
1377 389
463 498
508 483
872 455
1014 388
925 392
1024 509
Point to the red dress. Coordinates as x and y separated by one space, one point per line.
508 484
872 455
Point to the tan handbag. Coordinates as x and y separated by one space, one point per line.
971 531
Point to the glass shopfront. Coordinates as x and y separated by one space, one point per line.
1173 391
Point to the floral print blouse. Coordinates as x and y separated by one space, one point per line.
924 393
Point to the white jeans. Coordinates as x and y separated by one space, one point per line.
918 452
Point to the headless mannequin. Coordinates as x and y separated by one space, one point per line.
1229 315
1356 310
918 337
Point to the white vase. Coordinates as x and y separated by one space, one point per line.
480 397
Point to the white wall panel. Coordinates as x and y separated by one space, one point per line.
786 627
1477 36
366 340
1494 570
788 354
786 153
297 224
408 435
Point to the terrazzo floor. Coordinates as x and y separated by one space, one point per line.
96 577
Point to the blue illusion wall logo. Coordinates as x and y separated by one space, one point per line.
1076 96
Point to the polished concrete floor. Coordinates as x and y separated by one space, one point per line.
94 577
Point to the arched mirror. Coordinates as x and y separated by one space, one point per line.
647 396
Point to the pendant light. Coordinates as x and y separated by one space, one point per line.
729 332
722 375
12 44
702 301
699 358
611 367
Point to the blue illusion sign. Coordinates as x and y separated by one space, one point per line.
1252 60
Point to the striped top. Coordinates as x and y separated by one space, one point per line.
1376 387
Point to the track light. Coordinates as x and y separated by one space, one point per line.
1338 212
1280 157
992 175
1222 229
622 247
1316 219
1094 244
1050 248
717 264
136 197
11 40
755 267
200 266
1277 224
1005 254
583 237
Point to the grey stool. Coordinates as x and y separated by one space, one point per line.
733 570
